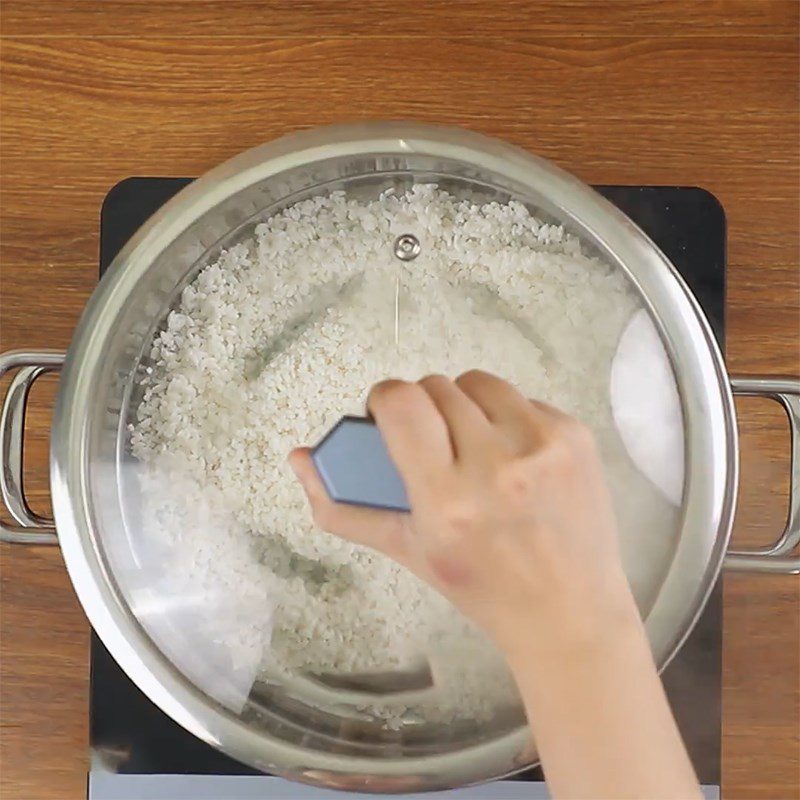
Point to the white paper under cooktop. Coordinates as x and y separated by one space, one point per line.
112 786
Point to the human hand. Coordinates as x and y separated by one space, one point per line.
511 518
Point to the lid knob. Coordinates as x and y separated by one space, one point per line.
407 247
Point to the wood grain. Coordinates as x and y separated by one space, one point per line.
701 92
403 19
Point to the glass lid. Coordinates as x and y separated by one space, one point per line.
275 334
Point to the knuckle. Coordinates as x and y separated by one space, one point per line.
567 434
563 455
433 381
385 387
389 392
558 450
471 377
516 482
554 437
461 515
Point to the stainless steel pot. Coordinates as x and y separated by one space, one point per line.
97 397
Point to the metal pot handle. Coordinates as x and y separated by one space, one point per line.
32 528
777 557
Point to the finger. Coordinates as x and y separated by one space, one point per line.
468 426
551 413
505 407
415 433
557 423
385 531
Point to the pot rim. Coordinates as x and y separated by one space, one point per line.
711 445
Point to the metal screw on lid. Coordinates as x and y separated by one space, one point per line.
407 247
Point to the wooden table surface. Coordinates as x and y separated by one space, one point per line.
701 92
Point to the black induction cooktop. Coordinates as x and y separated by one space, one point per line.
131 738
